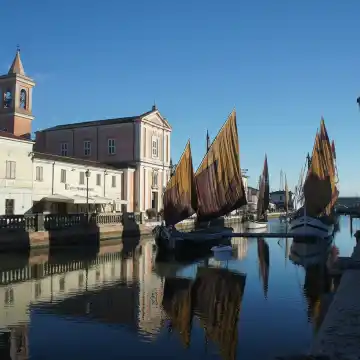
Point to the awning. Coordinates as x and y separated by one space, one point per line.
57 198
101 200
78 199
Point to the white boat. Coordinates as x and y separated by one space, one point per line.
320 178
221 248
255 225
309 226
222 252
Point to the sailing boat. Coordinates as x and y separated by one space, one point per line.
214 191
180 199
263 201
285 217
316 218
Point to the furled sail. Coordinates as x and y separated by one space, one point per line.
219 183
264 192
180 199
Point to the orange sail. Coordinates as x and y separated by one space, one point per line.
319 188
219 184
180 199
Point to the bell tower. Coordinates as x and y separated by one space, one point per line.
16 100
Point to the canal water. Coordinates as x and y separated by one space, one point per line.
104 304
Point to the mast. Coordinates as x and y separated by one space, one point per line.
207 141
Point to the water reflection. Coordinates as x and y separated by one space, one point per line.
315 258
215 298
264 263
91 301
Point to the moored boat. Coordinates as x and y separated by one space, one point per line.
214 191
263 201
316 218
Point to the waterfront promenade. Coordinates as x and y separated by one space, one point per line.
33 231
339 335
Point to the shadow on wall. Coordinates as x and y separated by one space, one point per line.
14 234
130 234
74 231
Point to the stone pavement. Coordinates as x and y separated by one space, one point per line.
339 335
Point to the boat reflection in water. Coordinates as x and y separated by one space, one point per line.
315 259
214 297
264 263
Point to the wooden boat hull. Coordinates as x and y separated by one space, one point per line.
194 241
309 226
254 225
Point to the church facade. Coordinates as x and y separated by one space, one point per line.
138 145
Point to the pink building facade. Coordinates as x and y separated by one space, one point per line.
139 145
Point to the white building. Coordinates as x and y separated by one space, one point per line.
36 182
15 174
65 185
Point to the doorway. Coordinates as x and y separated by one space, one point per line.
154 200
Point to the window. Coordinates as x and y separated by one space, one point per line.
87 148
122 179
9 296
39 173
9 206
63 176
62 283
37 289
7 99
155 147
111 147
64 149
23 102
98 179
167 149
113 181
155 179
10 169
144 142
81 280
82 178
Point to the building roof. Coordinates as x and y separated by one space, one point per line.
8 135
122 120
77 161
17 66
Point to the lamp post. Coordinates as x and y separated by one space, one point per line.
87 174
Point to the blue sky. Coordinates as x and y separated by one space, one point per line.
283 64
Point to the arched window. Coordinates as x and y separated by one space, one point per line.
7 99
23 99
